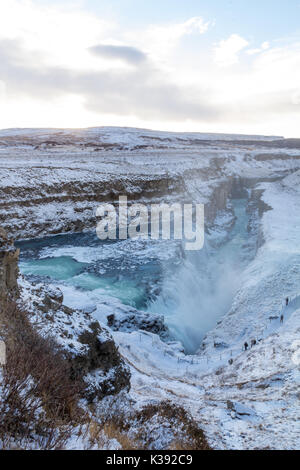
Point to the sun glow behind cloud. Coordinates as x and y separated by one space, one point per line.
64 66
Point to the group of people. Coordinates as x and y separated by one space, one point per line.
253 341
286 304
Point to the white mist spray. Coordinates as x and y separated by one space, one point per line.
195 297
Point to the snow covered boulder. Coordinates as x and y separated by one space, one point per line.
239 411
130 319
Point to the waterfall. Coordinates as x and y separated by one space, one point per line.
195 297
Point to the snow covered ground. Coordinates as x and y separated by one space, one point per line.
254 402
242 399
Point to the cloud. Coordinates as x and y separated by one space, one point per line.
79 78
263 92
144 92
40 66
265 45
62 32
148 94
131 55
227 51
161 39
173 32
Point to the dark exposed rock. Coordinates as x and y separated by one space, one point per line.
53 299
90 349
102 354
9 256
240 411
132 320
220 345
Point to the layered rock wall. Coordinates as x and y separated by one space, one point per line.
9 256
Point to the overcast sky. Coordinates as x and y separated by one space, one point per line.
192 65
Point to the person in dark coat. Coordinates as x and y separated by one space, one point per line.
287 301
281 318
246 345
253 342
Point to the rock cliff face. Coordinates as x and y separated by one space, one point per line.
52 182
90 348
9 271
102 365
